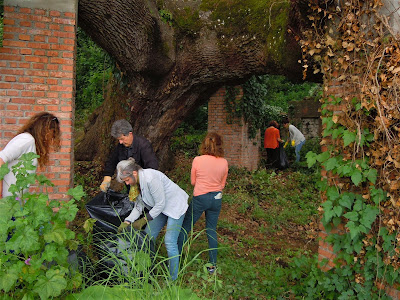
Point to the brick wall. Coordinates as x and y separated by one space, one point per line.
306 117
37 73
240 150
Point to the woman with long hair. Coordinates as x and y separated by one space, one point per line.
40 135
208 176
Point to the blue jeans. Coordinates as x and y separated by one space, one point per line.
212 207
154 227
297 150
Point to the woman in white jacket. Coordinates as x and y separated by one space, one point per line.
166 202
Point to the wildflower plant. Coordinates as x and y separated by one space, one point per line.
34 238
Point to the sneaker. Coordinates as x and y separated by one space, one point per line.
211 270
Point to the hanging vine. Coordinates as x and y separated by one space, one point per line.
356 49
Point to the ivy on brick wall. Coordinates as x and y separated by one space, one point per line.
357 51
265 98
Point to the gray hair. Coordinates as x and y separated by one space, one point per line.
126 167
120 127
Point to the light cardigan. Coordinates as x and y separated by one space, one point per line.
19 145
160 194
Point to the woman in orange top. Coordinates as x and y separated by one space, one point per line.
271 144
208 175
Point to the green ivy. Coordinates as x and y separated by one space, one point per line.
359 216
265 98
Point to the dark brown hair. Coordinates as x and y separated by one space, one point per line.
212 145
274 123
45 129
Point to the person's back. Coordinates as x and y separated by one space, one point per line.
271 138
208 174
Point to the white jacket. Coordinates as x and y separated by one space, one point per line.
160 194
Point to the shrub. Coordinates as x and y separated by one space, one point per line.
36 239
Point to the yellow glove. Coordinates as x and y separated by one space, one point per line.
293 143
123 226
284 146
105 184
138 224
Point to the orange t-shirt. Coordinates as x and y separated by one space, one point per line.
271 138
208 174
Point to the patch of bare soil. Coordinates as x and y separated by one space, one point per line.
275 242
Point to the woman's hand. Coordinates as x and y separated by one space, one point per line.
123 226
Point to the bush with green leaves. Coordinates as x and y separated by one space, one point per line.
35 238
93 70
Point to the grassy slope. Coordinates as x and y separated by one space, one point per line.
266 220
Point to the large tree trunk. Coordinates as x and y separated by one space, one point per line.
174 57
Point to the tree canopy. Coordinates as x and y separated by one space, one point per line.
173 55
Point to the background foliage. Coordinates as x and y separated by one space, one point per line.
266 98
93 70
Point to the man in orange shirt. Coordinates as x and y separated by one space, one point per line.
272 139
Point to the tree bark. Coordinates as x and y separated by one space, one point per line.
174 57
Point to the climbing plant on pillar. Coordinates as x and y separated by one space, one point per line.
357 51
252 107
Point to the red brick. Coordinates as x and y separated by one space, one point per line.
40 25
38 80
27 94
25 23
70 15
38 94
39 45
37 59
40 18
12 93
55 13
4 85
54 27
25 10
24 79
24 37
39 38
10 57
26 51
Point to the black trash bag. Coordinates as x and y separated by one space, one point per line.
109 209
283 160
128 253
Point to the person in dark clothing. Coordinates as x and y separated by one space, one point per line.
129 145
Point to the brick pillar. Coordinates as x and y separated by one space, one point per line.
240 150
325 250
37 73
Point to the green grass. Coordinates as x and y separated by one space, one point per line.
251 258
258 237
